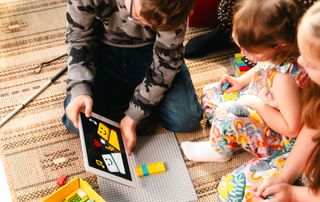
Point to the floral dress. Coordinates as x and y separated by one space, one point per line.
236 186
234 125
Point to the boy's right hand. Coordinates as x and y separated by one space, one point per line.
78 104
235 83
128 129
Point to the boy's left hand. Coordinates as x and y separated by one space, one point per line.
128 129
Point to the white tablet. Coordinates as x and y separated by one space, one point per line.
103 149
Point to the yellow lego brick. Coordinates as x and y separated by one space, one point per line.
139 171
157 167
238 55
150 169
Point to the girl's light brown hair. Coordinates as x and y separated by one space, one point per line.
165 15
311 109
311 117
264 24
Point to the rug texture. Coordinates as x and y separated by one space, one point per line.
34 145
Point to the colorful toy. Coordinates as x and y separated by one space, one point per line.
76 190
62 180
150 169
225 86
77 196
239 65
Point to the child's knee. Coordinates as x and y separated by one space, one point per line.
65 119
69 125
184 122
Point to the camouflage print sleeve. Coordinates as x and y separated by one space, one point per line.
167 61
81 41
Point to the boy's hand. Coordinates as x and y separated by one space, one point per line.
235 83
128 129
78 104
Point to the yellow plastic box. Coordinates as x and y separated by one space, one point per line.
75 184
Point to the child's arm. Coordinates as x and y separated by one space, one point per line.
247 76
81 70
237 83
285 192
81 41
286 120
303 194
299 155
295 164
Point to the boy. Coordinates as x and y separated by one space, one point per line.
126 56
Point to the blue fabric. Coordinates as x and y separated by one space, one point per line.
120 70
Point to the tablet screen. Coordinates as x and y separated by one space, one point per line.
103 149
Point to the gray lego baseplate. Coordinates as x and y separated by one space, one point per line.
173 185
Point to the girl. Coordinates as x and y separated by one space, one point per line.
306 150
219 37
263 117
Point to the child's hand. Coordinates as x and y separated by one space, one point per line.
78 104
259 199
235 83
258 190
128 129
279 193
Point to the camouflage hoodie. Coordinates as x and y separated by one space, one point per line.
120 32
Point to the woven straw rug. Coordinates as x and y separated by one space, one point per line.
35 147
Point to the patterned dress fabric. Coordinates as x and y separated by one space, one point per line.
236 186
234 125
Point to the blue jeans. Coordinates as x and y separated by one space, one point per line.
120 70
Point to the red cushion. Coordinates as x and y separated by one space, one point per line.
204 13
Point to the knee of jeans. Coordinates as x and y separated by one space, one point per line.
65 120
69 125
184 122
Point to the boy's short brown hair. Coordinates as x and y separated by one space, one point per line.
263 24
165 15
